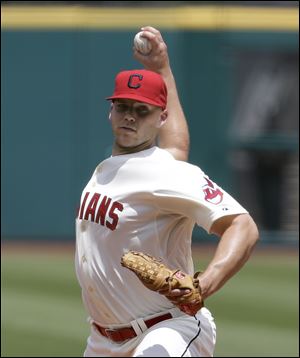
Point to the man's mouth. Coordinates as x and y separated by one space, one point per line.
129 129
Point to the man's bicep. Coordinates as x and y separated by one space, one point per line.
174 137
179 154
219 226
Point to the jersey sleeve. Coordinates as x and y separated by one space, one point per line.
194 195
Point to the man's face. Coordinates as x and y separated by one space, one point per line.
135 123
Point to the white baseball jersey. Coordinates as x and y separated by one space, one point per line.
145 201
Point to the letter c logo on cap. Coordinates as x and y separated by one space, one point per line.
132 83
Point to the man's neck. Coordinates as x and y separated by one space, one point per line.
119 150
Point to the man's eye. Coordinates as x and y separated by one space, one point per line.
121 107
142 112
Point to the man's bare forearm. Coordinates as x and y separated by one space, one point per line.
234 249
174 135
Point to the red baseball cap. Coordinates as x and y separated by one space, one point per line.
141 85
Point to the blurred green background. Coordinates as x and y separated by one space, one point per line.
42 314
236 70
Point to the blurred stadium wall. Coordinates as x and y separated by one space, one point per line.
238 78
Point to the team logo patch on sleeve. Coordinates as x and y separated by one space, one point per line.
212 194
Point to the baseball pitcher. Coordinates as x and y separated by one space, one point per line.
135 222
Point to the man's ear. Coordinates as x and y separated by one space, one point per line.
111 107
163 118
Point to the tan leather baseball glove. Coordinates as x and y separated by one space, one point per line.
159 278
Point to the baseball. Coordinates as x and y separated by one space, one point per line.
142 44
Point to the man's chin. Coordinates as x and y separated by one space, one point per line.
130 147
126 144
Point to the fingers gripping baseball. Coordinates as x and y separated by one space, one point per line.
157 59
181 289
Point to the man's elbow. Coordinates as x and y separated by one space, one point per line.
251 227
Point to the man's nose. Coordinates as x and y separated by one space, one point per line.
129 117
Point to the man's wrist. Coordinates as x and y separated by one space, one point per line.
165 71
